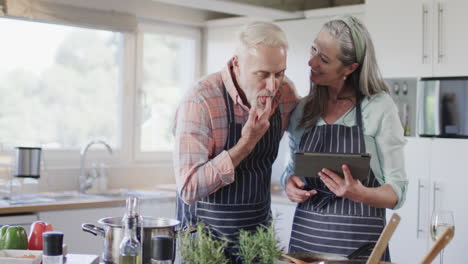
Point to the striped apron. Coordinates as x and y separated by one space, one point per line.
245 203
326 223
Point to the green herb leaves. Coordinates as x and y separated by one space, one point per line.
201 248
259 246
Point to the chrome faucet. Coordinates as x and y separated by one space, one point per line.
86 180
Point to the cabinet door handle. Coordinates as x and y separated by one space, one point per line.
424 28
435 189
440 16
418 219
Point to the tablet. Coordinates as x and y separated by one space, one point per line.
309 164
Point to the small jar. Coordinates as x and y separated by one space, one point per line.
162 249
52 252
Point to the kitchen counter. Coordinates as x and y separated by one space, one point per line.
79 203
165 193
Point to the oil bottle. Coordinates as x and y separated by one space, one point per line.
130 246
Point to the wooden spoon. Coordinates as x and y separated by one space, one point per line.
440 243
295 260
382 243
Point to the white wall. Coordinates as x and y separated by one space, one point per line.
220 46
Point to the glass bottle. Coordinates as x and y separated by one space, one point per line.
130 246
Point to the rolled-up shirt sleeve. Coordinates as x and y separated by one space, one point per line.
198 172
294 136
287 173
390 144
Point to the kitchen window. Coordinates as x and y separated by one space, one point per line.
62 85
168 61
59 85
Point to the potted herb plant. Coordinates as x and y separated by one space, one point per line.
259 246
201 248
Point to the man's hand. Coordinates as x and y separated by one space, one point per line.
256 126
294 190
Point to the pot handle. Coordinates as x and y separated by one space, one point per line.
188 228
95 230
361 251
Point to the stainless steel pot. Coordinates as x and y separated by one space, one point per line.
113 234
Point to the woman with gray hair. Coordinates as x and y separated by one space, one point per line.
348 110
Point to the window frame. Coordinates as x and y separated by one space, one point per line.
167 29
130 87
70 157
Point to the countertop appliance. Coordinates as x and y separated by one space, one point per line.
28 162
404 94
443 107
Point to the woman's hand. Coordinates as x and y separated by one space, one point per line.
294 190
348 187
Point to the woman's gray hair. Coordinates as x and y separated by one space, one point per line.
366 80
260 33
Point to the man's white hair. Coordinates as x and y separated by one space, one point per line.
260 33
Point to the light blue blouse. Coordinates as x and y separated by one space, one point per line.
383 136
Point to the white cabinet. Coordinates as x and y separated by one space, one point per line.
409 243
23 220
449 188
437 171
283 212
400 36
419 37
69 222
452 38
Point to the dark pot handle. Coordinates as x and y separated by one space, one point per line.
188 228
191 229
361 251
95 230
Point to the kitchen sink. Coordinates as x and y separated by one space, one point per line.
45 197
124 193
58 196
50 197
29 200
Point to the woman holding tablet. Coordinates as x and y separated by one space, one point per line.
348 110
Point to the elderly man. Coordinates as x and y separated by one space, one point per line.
228 129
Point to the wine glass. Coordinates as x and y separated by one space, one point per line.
441 221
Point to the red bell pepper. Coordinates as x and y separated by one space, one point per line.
35 235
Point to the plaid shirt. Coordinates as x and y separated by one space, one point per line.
201 164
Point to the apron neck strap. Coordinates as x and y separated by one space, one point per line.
358 112
229 104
